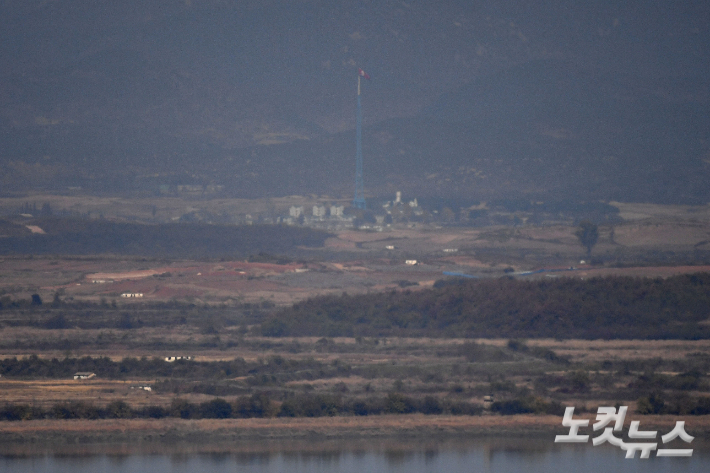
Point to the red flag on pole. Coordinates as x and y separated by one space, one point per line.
363 74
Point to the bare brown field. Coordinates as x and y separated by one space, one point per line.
640 211
281 284
576 350
93 279
596 350
45 393
649 230
660 234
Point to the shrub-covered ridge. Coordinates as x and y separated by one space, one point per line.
607 308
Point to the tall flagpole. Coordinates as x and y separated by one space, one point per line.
359 200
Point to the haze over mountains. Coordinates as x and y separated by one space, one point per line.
467 100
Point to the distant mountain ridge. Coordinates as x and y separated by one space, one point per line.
560 101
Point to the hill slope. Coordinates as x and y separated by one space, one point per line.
480 101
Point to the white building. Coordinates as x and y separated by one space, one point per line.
84 375
295 212
319 211
190 189
172 359
336 211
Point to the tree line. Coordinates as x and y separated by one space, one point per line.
276 367
255 405
259 405
603 307
90 237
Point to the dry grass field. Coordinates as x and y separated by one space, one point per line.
45 393
597 350
414 366
584 373
390 433
353 261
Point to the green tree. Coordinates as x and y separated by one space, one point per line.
588 235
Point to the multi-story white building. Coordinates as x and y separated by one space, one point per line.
318 211
337 211
295 212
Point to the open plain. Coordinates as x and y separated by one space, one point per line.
211 309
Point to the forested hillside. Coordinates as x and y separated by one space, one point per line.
609 308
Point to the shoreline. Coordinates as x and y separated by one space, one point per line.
50 434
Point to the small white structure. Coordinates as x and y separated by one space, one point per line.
414 203
389 247
132 294
171 359
295 212
450 250
84 375
411 262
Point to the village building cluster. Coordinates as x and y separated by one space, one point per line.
319 213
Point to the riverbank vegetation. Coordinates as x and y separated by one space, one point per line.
312 377
261 406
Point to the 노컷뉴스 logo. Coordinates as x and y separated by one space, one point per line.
605 415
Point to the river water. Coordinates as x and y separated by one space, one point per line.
440 456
